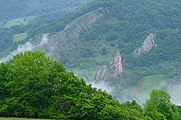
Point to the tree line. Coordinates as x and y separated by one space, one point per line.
35 86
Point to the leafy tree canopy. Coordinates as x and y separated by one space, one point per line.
159 106
34 85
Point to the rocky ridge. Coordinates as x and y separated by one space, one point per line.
147 45
108 71
62 40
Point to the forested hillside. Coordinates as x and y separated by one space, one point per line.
23 8
124 28
19 18
130 22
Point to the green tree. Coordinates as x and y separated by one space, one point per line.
3 89
34 85
135 111
104 51
31 79
160 106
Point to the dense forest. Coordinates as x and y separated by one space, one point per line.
34 85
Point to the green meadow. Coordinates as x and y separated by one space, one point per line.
19 37
151 82
18 21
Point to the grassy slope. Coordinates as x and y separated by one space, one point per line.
18 21
152 81
19 37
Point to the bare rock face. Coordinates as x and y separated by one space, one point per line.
108 71
74 28
116 64
103 74
61 41
147 45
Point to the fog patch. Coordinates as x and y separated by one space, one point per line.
173 87
102 85
175 94
21 48
26 47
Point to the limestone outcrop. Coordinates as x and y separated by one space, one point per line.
74 28
147 45
62 40
116 64
108 71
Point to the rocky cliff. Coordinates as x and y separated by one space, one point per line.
62 40
147 45
74 28
108 71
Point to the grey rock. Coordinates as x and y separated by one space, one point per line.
106 72
147 45
116 65
62 40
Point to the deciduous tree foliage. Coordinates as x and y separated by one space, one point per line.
34 85
30 79
159 106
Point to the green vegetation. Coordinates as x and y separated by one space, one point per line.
158 106
35 86
18 8
179 109
18 21
32 85
24 16
123 29
5 118
19 37
151 82
118 31
5 39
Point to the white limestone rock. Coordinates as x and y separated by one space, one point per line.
106 72
147 45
